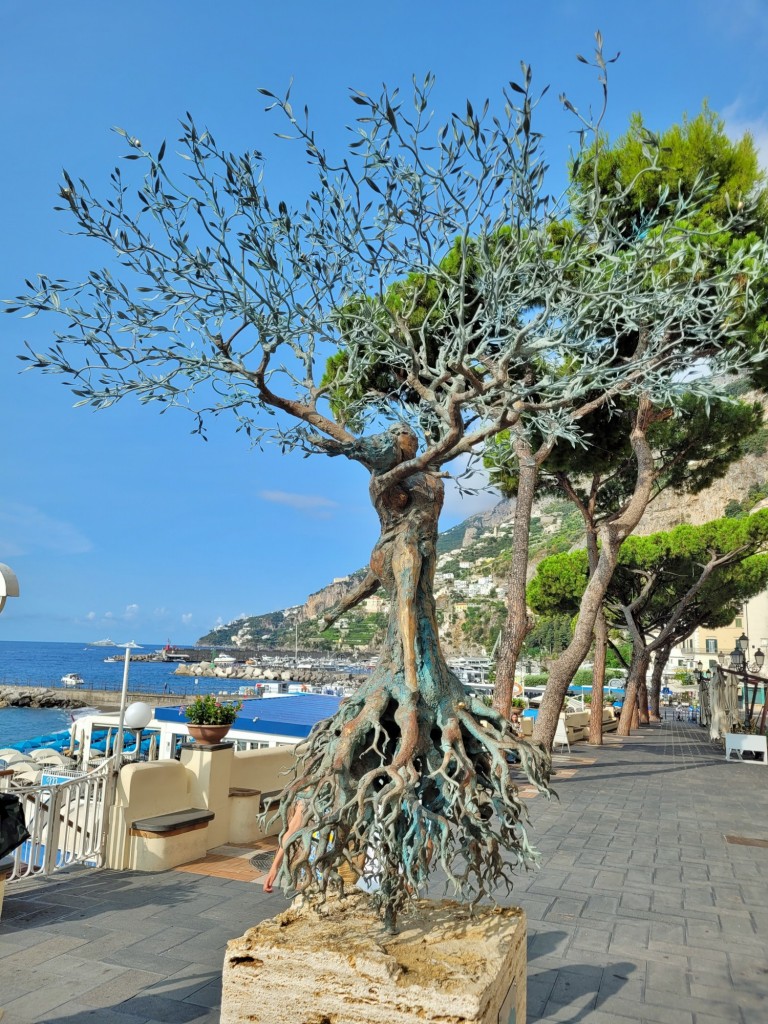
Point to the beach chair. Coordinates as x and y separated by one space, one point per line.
561 737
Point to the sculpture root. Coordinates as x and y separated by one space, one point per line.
394 787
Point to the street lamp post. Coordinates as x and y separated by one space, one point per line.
759 662
132 646
703 677
9 584
738 665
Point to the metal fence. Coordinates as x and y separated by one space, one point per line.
67 819
680 714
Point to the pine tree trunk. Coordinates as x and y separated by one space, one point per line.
612 536
637 671
642 701
565 667
598 680
519 622
659 664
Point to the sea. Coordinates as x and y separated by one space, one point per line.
26 663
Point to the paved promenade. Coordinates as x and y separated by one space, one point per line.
643 911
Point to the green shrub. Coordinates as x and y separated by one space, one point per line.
209 710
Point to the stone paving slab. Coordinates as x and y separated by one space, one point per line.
642 912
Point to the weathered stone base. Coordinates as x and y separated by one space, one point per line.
337 965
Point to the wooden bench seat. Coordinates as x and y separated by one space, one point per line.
166 840
174 823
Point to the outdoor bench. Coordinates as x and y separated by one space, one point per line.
173 823
736 743
167 840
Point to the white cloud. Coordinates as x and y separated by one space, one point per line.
131 611
186 618
91 616
108 615
302 502
24 528
737 123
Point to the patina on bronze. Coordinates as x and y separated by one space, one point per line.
411 772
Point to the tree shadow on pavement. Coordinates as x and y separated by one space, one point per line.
572 992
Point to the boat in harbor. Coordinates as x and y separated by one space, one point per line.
224 661
72 679
110 661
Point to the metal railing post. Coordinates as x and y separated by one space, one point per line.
50 836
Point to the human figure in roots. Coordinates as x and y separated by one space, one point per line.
410 765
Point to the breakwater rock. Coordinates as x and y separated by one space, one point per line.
34 697
255 673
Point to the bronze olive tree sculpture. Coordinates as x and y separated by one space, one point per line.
464 303
410 768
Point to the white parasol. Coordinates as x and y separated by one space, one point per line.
718 705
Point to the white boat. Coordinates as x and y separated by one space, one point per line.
110 661
71 679
224 661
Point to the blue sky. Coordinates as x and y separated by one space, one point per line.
121 522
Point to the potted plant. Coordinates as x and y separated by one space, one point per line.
210 719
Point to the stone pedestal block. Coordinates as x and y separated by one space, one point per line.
337 964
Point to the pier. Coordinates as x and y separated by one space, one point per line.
104 700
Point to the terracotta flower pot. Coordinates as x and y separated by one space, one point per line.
208 733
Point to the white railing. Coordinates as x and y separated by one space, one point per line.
67 819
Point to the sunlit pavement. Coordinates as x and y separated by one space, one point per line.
643 910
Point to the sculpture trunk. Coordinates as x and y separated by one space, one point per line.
410 772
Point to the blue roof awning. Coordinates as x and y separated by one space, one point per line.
280 716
